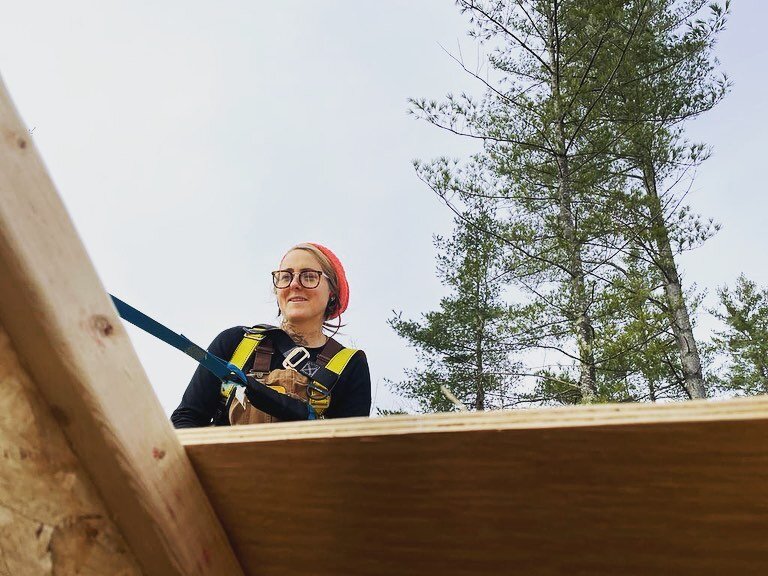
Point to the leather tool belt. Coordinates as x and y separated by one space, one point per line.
284 381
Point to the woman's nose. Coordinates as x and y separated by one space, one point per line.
295 283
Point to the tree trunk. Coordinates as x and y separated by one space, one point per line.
679 317
762 370
580 318
582 322
479 367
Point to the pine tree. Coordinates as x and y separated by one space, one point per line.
540 161
667 77
744 342
461 346
587 236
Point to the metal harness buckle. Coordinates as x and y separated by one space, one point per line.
316 391
290 362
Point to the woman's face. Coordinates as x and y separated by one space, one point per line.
300 305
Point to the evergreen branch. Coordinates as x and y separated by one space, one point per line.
610 77
473 6
540 32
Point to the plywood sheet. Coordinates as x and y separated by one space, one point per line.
605 490
51 518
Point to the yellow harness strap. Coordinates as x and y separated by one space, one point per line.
248 345
340 360
245 349
240 357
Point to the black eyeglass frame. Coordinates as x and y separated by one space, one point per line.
320 274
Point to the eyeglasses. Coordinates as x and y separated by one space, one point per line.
307 278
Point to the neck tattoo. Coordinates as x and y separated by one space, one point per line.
300 339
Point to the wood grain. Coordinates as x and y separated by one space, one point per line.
72 344
603 490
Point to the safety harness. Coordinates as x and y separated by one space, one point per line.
321 375
260 342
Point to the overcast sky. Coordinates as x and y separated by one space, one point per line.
194 142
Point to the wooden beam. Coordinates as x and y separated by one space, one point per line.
593 490
71 342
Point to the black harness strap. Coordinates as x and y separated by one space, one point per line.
262 358
331 348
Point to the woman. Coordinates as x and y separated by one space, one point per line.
295 372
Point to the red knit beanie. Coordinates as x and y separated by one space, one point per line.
343 286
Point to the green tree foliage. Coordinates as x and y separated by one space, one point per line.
582 147
667 77
462 346
540 163
744 342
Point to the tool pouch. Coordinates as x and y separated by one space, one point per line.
287 382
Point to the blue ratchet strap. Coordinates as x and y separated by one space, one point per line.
223 370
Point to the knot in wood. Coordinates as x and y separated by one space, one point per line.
102 325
